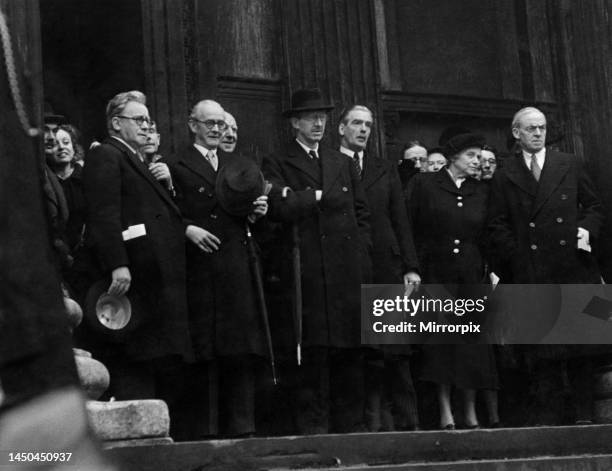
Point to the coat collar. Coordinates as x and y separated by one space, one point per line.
195 161
373 170
300 160
140 167
518 173
445 182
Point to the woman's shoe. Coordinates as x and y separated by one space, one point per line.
447 427
475 426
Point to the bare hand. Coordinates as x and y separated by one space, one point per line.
121 280
160 171
205 240
260 208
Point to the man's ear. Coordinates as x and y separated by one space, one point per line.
515 133
115 124
341 129
294 122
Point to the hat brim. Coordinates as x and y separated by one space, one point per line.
110 316
293 111
239 204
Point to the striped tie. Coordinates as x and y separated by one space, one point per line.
535 168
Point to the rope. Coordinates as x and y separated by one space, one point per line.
11 72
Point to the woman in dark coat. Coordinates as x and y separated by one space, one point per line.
448 215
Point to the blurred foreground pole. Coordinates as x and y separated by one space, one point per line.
42 408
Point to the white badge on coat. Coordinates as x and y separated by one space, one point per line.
132 232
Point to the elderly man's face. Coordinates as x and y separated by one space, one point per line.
418 156
310 126
208 125
488 164
230 137
531 132
356 129
133 124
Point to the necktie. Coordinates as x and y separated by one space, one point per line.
356 160
315 157
212 160
535 168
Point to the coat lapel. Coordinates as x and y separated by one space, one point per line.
555 168
332 163
141 168
518 173
195 161
373 170
301 161
446 183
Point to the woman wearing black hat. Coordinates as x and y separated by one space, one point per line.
448 212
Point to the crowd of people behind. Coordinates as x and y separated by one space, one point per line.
238 275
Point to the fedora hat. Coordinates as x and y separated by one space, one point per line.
309 99
460 142
239 183
115 317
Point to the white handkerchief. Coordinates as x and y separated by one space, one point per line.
583 239
133 232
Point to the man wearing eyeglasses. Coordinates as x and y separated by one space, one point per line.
225 320
318 196
543 217
136 232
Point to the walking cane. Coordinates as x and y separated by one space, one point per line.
297 280
256 269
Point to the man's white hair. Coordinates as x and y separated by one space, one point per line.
522 112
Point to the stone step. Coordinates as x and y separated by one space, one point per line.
446 450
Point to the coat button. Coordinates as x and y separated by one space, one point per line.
322 236
457 241
564 196
534 247
532 224
201 189
348 237
455 250
562 242
210 195
460 204
559 220
213 216
345 189
459 197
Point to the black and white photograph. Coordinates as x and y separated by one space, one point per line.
276 235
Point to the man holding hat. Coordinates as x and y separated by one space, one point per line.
220 195
319 200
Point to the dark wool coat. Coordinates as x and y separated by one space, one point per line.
334 238
393 252
121 192
532 226
224 313
448 224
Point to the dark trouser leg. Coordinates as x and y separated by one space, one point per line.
237 395
403 398
201 400
131 379
374 379
580 374
310 392
170 379
347 390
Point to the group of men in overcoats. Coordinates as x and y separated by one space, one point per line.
181 253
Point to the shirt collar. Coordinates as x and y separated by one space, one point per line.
458 181
124 143
205 150
540 157
308 149
351 153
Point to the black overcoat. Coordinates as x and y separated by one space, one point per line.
532 226
393 251
334 236
448 224
121 192
224 314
